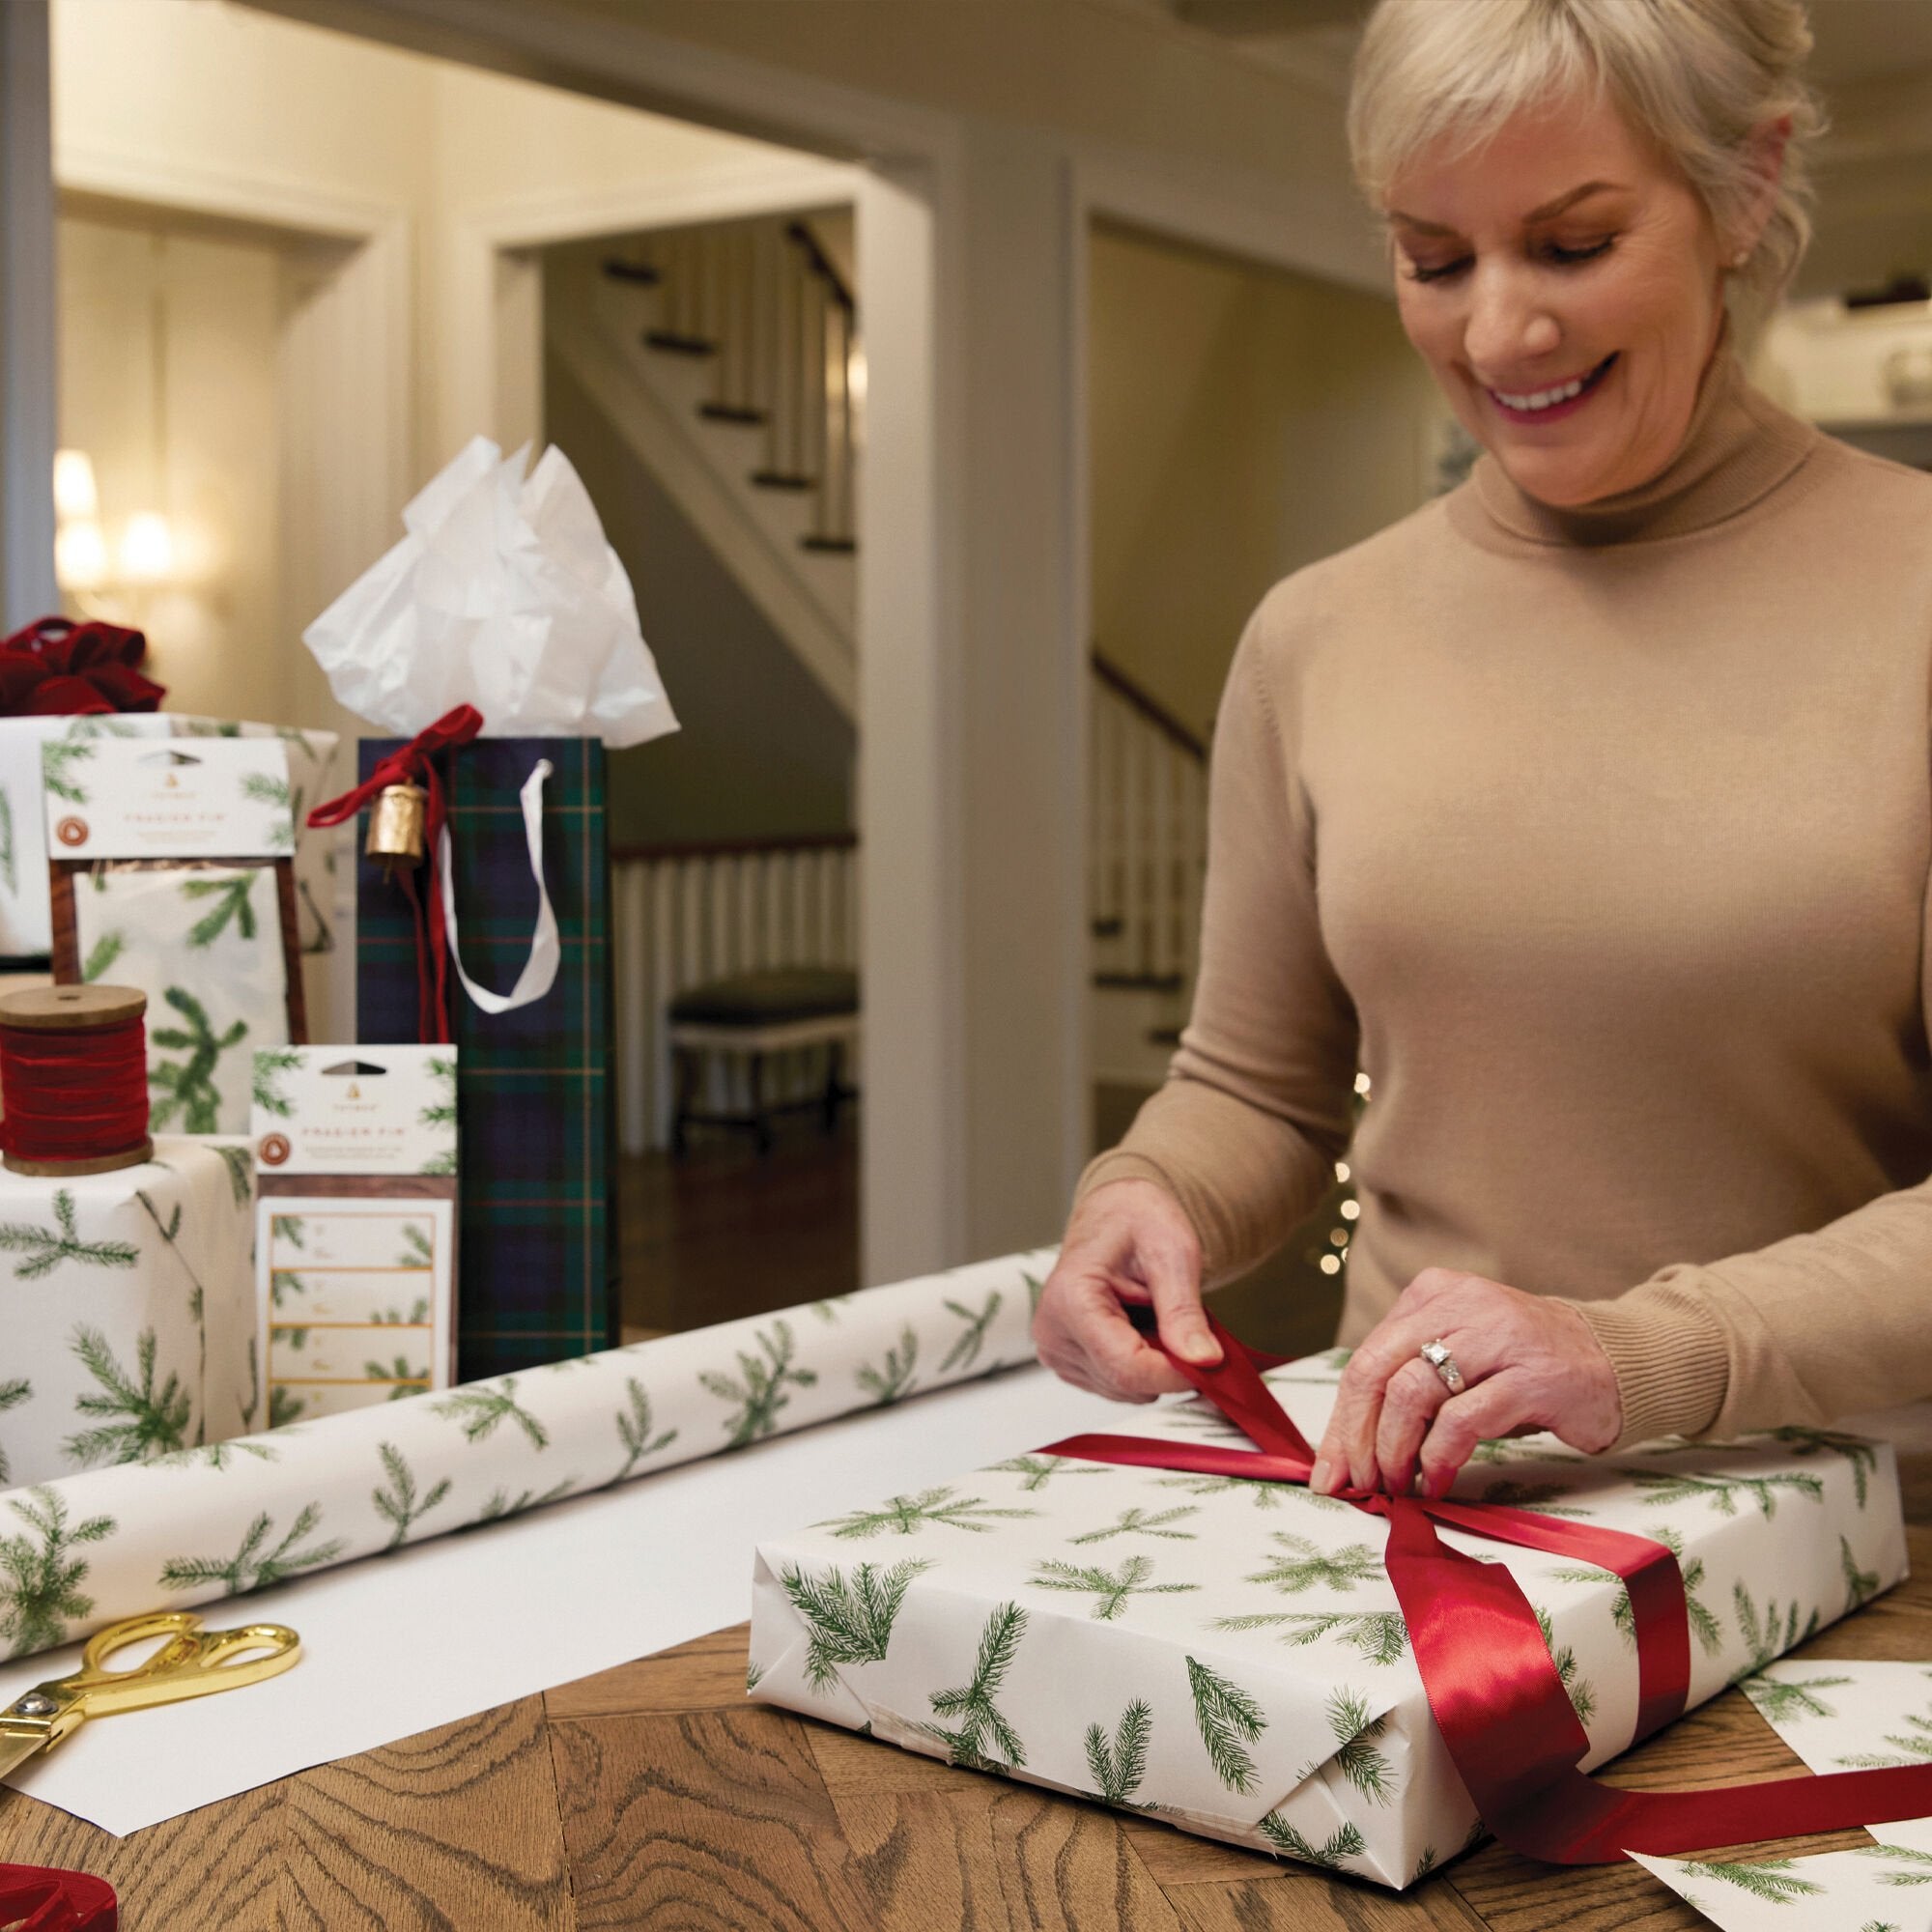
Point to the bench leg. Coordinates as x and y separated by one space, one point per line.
687 1066
760 1126
835 1066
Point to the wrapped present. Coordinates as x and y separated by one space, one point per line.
128 1311
1169 1621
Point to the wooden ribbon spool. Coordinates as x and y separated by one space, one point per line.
77 1037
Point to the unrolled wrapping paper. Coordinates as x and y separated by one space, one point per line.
238 1516
126 1312
1231 1652
206 946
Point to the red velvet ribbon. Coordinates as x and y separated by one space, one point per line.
41 1898
57 668
415 763
1496 1697
73 1097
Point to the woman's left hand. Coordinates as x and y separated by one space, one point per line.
1527 1363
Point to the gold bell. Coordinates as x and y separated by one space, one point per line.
396 826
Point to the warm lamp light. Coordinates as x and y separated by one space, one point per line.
80 555
147 549
76 495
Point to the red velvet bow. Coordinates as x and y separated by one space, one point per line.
38 1898
415 763
1495 1695
55 667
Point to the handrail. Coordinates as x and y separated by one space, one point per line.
1149 707
737 848
822 264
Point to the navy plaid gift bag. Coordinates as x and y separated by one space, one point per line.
536 1260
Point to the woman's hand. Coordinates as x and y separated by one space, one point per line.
1527 1363
1128 1242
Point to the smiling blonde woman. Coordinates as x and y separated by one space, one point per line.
1588 811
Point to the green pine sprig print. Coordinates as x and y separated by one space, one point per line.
1034 1288
1861 1585
907 1516
231 903
1766 1638
758 1389
58 758
1915 1866
1770 1879
263 788
1040 1470
1199 1418
1783 1699
1380 1636
1424 1865
1229 1721
1721 1492
241 1167
890 1380
9 871
634 1429
255 1566
137 1419
290 1228
1542 1497
13 1393
187 1088
501 1505
218 1455
849 1622
1356 1756
285 1406
40 1573
273 1065
400 1370
832 1309
1345 1842
101 954
397 1501
1305 1564
441 1113
1861 1455
483 1407
1144 1522
417 1251
972 1338
284 1284
1913 1744
1519 1449
415 1316
1118 1765
981 1739
1704 1626
169 1231
1583 1697
1110 1590
1265 1495
46 1249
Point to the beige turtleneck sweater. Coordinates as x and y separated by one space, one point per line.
1600 840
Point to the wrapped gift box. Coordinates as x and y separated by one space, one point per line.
1229 1654
126 1311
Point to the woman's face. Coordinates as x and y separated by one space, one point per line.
1563 284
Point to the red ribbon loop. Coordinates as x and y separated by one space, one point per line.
1494 1693
415 763
56 667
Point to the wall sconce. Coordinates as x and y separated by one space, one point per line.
146 559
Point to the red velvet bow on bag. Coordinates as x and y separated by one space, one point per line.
38 1898
1494 1693
415 763
56 667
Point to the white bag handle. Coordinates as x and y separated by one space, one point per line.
539 972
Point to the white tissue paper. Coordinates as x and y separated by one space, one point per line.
504 594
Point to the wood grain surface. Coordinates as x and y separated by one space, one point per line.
654 1796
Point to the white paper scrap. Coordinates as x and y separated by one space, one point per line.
443 1629
1867 1891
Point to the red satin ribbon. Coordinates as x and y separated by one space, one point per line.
415 763
41 1898
73 1097
54 667
1495 1695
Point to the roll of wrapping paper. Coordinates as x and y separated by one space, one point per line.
198 1525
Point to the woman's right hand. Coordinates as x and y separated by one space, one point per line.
1129 1243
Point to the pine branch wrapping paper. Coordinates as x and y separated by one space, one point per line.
199 1523
25 916
127 1304
1229 1655
205 947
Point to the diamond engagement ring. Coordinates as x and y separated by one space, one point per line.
1436 1355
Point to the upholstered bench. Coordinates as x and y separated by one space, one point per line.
756 1014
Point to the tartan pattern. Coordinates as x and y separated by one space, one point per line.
536 1260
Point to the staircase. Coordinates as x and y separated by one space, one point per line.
727 356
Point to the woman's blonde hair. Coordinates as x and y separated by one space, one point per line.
1699 78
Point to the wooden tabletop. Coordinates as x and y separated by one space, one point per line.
654 1795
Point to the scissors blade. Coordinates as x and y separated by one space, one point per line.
19 1744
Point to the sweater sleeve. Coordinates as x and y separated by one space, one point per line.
1256 1108
1812 1327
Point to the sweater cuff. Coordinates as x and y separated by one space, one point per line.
1671 1358
1117 1164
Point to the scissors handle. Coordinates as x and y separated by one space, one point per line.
191 1662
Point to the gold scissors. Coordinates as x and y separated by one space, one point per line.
190 1663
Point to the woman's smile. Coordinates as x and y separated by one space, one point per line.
1550 402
